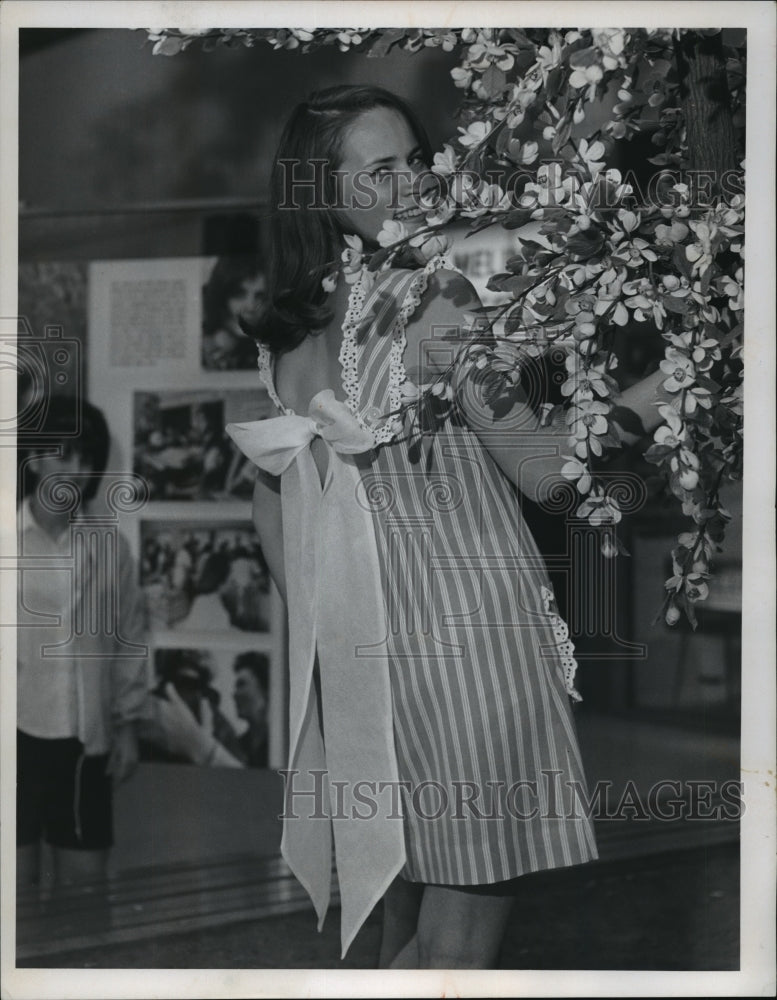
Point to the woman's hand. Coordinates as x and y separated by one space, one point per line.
123 757
183 735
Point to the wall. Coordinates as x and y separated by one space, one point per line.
103 122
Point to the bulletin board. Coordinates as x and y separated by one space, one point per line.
169 366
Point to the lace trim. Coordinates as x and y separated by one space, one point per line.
348 356
564 645
265 363
348 349
397 374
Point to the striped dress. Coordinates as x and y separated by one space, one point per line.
480 663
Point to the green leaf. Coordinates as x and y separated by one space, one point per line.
521 39
493 81
586 244
496 282
610 440
727 338
681 262
503 140
561 224
584 58
553 83
378 258
689 612
707 383
519 284
656 453
520 217
384 42
675 305
561 138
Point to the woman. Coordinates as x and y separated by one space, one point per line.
234 293
427 659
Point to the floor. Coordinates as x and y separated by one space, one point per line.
664 896
678 910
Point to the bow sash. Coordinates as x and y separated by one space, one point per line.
336 611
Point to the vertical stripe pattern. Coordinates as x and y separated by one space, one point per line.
484 732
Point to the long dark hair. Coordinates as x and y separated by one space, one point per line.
304 230
226 280
92 441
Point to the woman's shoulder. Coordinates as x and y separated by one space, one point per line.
437 293
445 309
438 322
449 290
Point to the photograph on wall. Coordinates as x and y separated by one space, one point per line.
180 447
209 707
204 576
164 321
234 295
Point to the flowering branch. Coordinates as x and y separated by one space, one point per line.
542 113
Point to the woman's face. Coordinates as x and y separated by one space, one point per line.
249 302
250 700
381 163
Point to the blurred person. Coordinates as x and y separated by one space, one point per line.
240 476
236 290
76 712
246 592
250 694
208 611
183 722
214 450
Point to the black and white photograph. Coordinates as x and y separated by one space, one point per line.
234 296
181 449
390 605
204 577
208 707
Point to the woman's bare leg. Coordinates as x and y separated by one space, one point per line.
461 930
408 957
401 906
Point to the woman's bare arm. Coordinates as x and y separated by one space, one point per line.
268 522
530 455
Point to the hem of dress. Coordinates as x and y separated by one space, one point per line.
592 855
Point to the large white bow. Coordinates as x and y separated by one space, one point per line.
336 611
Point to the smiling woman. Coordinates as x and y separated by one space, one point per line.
382 159
427 656
322 168
399 683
